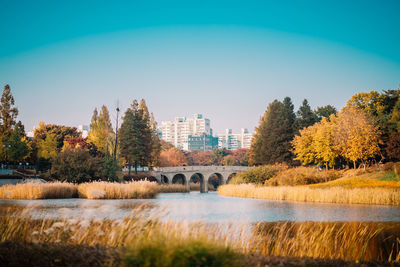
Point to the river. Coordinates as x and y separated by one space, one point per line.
211 207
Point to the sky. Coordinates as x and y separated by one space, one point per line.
224 59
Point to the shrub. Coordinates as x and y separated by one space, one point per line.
162 252
257 175
76 165
302 176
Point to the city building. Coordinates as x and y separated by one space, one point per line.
177 132
84 130
232 141
204 142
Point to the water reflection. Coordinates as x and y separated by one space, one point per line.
210 208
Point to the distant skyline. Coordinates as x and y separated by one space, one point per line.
224 59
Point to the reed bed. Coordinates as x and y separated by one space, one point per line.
107 190
146 240
360 241
340 195
38 191
172 188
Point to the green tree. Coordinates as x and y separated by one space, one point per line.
8 112
217 155
101 131
131 142
147 134
18 148
110 168
305 116
325 112
272 140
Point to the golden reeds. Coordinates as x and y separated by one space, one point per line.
107 190
349 241
38 191
341 195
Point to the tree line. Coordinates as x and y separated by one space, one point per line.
62 153
366 130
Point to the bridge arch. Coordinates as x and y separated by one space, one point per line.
164 179
196 179
179 178
215 179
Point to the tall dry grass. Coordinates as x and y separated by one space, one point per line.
147 238
349 241
38 191
341 195
107 190
196 187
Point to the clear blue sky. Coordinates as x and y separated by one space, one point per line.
225 59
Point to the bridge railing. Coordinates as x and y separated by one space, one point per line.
201 168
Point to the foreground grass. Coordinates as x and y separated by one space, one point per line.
336 194
140 239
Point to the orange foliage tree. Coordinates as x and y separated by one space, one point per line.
172 157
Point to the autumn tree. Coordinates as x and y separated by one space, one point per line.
356 136
101 132
47 148
172 157
59 132
229 160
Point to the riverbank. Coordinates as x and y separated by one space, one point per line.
141 239
373 186
336 194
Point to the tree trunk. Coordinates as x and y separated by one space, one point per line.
129 170
136 167
354 163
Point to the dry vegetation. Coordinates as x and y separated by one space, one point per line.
375 185
148 242
93 190
340 195
107 190
38 191
172 188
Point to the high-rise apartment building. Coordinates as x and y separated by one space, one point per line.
233 141
177 132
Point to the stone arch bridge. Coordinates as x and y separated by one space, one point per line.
202 174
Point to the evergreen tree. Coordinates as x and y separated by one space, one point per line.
8 112
131 142
325 111
156 144
305 116
147 134
271 143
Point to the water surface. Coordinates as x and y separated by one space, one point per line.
212 208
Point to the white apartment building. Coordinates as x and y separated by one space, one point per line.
84 130
177 132
233 141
